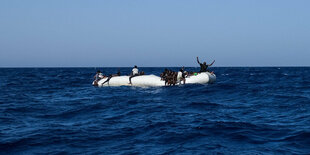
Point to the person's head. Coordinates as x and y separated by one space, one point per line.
98 71
204 63
135 66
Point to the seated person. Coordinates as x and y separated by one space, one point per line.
135 72
112 75
163 75
98 77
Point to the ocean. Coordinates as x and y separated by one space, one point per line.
248 110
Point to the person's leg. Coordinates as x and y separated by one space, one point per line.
107 80
95 83
130 79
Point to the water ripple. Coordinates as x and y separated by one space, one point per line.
57 111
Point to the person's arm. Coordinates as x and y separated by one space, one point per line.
198 60
212 63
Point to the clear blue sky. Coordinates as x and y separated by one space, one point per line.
64 33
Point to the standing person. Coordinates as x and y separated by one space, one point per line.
135 72
204 66
181 76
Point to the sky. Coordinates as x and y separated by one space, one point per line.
154 33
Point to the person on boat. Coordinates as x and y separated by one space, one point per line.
135 72
169 79
112 75
204 66
97 77
185 73
181 76
163 75
175 75
118 73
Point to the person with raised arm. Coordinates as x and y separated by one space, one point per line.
204 66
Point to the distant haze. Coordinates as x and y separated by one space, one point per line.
75 33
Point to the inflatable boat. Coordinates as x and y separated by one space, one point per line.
153 80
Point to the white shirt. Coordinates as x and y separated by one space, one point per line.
100 75
135 71
179 76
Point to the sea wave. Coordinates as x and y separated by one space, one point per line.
58 111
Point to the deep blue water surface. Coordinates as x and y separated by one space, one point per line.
247 111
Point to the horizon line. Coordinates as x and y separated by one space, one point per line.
140 67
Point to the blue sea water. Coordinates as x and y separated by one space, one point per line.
248 110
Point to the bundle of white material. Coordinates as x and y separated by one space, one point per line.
153 80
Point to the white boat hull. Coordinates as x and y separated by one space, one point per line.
153 80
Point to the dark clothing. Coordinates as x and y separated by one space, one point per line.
132 77
109 78
203 67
